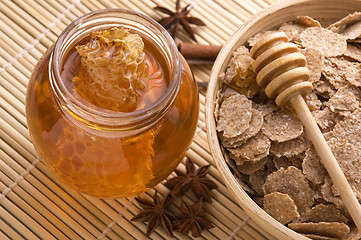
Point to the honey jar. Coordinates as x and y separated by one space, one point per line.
116 123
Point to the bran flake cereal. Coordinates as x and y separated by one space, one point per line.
241 60
292 182
280 126
349 26
349 129
253 149
325 213
328 195
292 30
318 237
328 229
312 167
285 162
250 167
348 157
313 102
328 43
323 88
267 108
254 127
343 102
297 160
314 63
239 74
353 52
290 168
290 148
252 40
326 119
354 234
282 162
235 114
280 206
337 69
355 41
307 21
353 31
257 179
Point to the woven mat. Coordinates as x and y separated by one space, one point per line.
33 204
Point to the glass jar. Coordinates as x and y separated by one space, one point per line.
108 153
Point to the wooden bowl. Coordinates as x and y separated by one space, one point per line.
326 11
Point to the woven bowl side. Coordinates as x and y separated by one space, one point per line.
326 11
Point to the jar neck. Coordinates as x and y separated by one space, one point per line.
111 120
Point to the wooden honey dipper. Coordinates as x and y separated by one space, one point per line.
282 71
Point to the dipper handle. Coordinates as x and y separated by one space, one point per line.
282 71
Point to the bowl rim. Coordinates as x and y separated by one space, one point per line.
272 226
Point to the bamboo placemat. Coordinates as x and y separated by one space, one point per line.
33 204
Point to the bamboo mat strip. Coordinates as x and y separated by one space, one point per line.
24 64
32 26
33 204
20 36
9 231
97 223
17 115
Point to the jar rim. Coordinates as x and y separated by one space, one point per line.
119 120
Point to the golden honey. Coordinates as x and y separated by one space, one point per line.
99 150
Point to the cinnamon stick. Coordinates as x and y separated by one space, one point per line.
199 51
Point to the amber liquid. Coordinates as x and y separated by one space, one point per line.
156 78
98 164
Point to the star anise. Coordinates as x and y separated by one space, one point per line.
192 179
192 219
155 213
177 18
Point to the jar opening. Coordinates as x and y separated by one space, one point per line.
99 118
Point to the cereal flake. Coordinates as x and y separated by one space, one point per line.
339 69
254 149
258 36
318 237
267 108
250 167
329 229
235 115
347 155
290 148
313 102
282 162
325 213
280 206
328 195
328 43
292 30
349 26
257 179
314 63
313 168
254 127
292 182
324 88
307 21
343 102
325 118
353 52
280 126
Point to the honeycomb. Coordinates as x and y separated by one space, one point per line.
113 69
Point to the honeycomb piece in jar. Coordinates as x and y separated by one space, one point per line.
113 69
